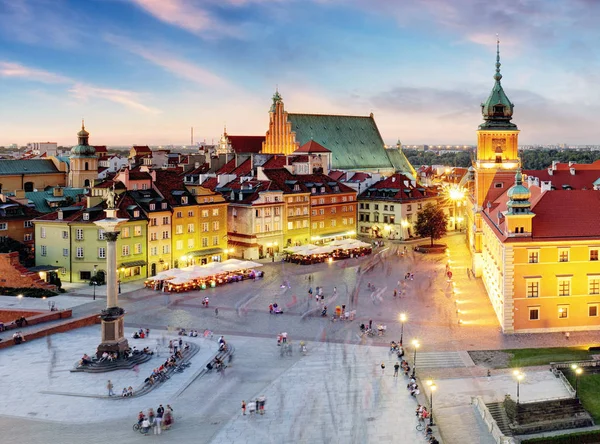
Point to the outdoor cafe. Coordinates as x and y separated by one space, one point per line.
340 249
201 277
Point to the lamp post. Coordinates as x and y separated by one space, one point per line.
432 388
519 376
94 281
578 371
402 321
415 344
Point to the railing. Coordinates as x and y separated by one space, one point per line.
568 364
490 422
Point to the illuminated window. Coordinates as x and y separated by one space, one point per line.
563 311
594 285
593 255
533 288
564 287
563 255
534 256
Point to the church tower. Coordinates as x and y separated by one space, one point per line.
279 138
83 168
497 157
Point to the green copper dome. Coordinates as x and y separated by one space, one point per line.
497 110
83 149
518 196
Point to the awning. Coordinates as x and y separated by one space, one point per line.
209 252
43 268
133 264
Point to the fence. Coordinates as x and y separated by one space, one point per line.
490 422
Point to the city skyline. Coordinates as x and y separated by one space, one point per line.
145 71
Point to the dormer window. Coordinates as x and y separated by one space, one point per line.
86 216
184 199
313 190
322 189
136 213
296 187
152 206
164 205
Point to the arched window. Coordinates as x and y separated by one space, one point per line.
87 166
86 182
28 186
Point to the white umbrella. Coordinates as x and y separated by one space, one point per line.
230 267
178 280
167 274
212 266
231 261
249 264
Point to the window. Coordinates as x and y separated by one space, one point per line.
333 210
42 232
563 311
215 211
534 313
125 250
184 199
321 201
179 229
333 222
153 236
27 237
163 205
290 225
179 245
409 208
153 222
351 221
100 234
136 213
179 215
204 242
594 285
190 214
137 248
204 227
125 232
144 186
191 228
593 310
101 253
533 288
344 221
65 234
79 234
79 252
305 223
44 250
594 255
153 251
165 220
152 207
190 243
234 212
166 249
314 225
392 207
215 241
563 255
376 207
216 225
322 224
65 252
564 287
28 224
165 235
137 230
534 256
205 213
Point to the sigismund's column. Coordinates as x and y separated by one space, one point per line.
113 339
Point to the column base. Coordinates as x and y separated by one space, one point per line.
113 338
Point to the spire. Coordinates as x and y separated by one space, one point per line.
276 99
497 110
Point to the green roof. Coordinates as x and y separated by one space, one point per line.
41 198
401 163
354 141
31 166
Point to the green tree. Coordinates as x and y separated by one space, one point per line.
432 222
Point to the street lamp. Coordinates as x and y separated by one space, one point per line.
432 388
94 281
455 193
402 321
415 344
20 298
519 377
578 371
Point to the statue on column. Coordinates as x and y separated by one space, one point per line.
111 198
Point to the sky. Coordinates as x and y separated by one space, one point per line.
146 71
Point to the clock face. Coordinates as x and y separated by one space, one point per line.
499 145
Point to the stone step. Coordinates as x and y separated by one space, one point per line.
437 360
496 409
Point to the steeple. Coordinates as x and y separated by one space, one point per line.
83 135
276 99
497 110
518 196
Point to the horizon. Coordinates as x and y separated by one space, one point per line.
146 71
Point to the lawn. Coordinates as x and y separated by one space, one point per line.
588 390
525 357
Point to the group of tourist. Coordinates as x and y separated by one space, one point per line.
257 406
141 334
159 421
127 391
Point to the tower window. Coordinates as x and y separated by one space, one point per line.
498 109
87 166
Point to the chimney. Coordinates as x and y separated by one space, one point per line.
572 170
393 179
554 164
196 165
241 196
571 163
546 185
550 170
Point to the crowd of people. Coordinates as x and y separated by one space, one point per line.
257 406
141 333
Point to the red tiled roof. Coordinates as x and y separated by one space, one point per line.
139 175
246 144
228 167
243 169
312 147
281 175
210 183
141 149
337 175
299 159
359 177
401 187
277 161
579 166
583 177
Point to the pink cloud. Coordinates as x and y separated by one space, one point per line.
16 70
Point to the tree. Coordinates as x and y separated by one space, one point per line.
432 222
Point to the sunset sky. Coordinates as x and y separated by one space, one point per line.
145 71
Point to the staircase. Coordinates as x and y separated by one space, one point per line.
109 366
496 409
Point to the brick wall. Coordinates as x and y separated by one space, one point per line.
33 318
71 324
14 275
7 315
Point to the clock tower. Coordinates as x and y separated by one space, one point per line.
497 158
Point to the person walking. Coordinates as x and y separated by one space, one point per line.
158 420
396 368
110 387
243 407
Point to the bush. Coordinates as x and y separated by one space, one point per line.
572 438
27 292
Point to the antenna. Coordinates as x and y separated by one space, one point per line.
192 137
